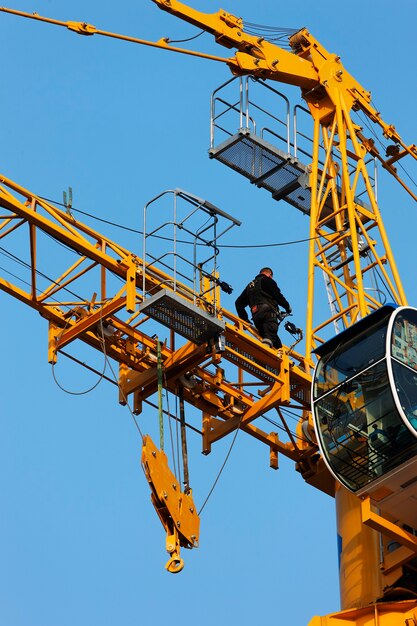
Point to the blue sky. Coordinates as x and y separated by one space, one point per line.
119 123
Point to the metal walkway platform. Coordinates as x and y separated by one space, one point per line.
183 317
268 167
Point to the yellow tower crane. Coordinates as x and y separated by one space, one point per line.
356 436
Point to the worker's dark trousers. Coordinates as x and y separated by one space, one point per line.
266 323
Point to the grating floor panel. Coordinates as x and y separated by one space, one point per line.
184 318
242 361
266 166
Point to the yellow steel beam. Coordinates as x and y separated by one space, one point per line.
276 397
396 559
375 521
183 359
82 28
75 329
399 613
255 55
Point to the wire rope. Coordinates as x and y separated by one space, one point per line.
222 467
38 272
168 40
101 375
124 397
140 232
177 434
175 461
365 121
271 33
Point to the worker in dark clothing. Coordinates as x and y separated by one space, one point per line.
263 297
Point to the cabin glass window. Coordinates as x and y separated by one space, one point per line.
358 424
346 360
363 434
404 362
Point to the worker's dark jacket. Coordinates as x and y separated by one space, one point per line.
261 294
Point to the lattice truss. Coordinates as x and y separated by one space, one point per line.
91 289
349 242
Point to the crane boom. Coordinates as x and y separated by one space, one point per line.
130 345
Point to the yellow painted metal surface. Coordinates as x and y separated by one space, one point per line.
176 509
379 614
373 520
360 577
82 28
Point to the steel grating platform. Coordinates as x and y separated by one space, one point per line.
181 316
268 167
265 372
246 361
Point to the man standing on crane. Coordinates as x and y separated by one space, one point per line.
263 296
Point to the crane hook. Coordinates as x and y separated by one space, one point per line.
175 564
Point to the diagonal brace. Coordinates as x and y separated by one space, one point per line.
278 395
88 322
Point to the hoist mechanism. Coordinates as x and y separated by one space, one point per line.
363 395
175 508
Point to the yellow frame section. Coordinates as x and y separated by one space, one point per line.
285 380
